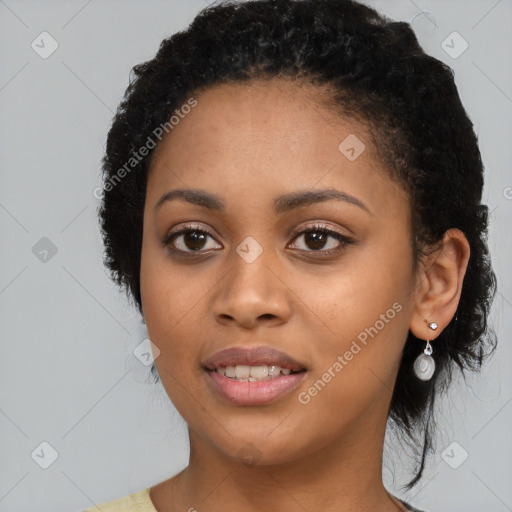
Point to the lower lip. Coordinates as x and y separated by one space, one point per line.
239 392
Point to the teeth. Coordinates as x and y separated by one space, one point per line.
274 371
258 372
242 371
252 373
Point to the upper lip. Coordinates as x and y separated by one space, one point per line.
255 356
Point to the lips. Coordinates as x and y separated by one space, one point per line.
230 375
258 356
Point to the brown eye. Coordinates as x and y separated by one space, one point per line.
322 240
316 239
189 239
194 240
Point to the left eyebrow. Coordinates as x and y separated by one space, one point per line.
287 202
282 204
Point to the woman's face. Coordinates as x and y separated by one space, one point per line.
252 268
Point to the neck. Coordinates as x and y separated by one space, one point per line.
345 476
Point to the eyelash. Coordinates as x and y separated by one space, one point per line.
316 228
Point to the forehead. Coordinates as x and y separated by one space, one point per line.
263 137
261 118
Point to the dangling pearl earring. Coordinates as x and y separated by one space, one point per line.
425 365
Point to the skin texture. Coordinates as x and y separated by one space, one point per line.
248 144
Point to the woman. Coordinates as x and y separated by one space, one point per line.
292 197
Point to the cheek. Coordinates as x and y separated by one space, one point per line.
168 305
173 300
365 285
362 314
168 293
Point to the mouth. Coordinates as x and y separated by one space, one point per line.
247 373
250 377
254 357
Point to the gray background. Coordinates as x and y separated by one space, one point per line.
68 373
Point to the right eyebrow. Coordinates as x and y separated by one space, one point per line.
194 196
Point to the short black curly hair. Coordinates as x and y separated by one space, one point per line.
377 73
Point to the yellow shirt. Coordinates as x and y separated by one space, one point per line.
137 502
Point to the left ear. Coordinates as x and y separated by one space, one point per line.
440 284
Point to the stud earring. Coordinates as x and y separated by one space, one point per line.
424 366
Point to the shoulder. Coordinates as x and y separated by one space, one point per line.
136 502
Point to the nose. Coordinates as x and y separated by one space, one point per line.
253 293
